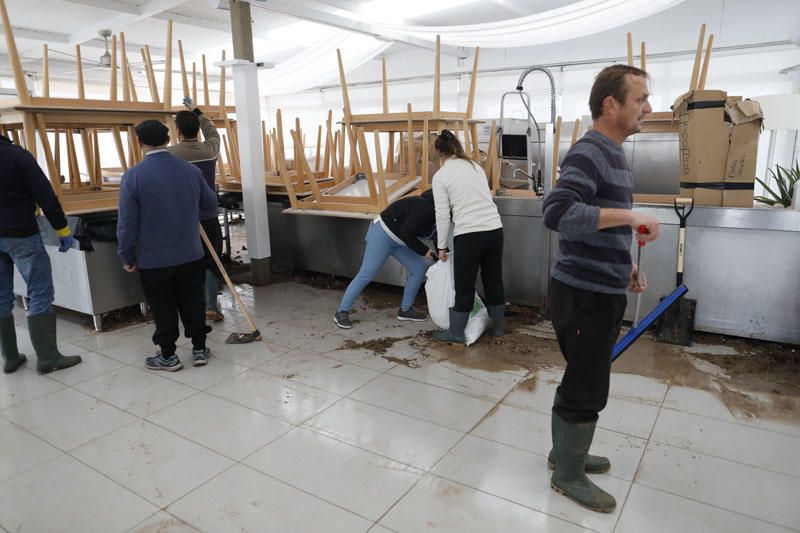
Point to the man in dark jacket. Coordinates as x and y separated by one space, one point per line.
23 186
160 202
203 154
395 232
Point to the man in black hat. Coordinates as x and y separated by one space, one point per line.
160 201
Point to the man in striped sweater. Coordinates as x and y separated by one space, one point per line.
590 207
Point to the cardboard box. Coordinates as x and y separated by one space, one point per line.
717 148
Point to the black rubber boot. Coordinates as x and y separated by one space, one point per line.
454 335
42 329
496 313
571 443
12 359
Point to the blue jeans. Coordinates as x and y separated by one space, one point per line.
379 247
33 263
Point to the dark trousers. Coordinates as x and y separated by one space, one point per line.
214 233
175 290
587 325
482 249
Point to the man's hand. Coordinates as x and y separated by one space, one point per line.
188 103
652 225
443 255
65 243
641 285
129 268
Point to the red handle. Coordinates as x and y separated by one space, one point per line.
642 230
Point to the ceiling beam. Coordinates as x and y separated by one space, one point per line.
188 20
319 16
38 35
63 38
109 5
117 22
62 67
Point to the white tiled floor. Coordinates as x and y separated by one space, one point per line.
297 434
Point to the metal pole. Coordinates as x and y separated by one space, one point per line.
251 156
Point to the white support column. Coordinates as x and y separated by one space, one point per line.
251 154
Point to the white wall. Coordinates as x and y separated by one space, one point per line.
749 72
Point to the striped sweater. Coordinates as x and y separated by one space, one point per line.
594 175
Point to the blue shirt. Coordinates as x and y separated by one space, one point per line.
160 201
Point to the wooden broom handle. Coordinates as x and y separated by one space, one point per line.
228 281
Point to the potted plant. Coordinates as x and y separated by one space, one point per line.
785 180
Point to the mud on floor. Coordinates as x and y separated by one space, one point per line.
752 378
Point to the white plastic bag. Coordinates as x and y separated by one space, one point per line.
441 292
478 321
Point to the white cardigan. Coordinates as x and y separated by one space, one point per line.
461 186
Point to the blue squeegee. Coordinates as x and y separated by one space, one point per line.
635 333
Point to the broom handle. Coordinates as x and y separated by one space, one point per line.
231 287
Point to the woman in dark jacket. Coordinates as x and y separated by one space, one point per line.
395 232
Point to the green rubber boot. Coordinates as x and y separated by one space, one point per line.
571 443
595 464
454 335
12 359
496 313
42 329
211 288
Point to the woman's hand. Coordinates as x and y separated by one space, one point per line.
443 255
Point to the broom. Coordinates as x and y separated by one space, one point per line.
234 338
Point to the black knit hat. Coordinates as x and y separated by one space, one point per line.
152 133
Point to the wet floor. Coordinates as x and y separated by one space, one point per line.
379 429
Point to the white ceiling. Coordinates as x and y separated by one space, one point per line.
205 29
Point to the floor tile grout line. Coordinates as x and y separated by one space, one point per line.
474 395
733 422
395 411
483 491
15 405
137 526
72 457
234 462
373 452
462 393
517 448
26 470
306 492
537 411
148 373
279 376
724 509
727 460
429 471
175 433
641 457
216 395
98 375
384 371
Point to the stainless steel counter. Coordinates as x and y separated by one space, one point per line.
89 282
740 264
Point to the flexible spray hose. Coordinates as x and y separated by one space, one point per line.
552 88
530 114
